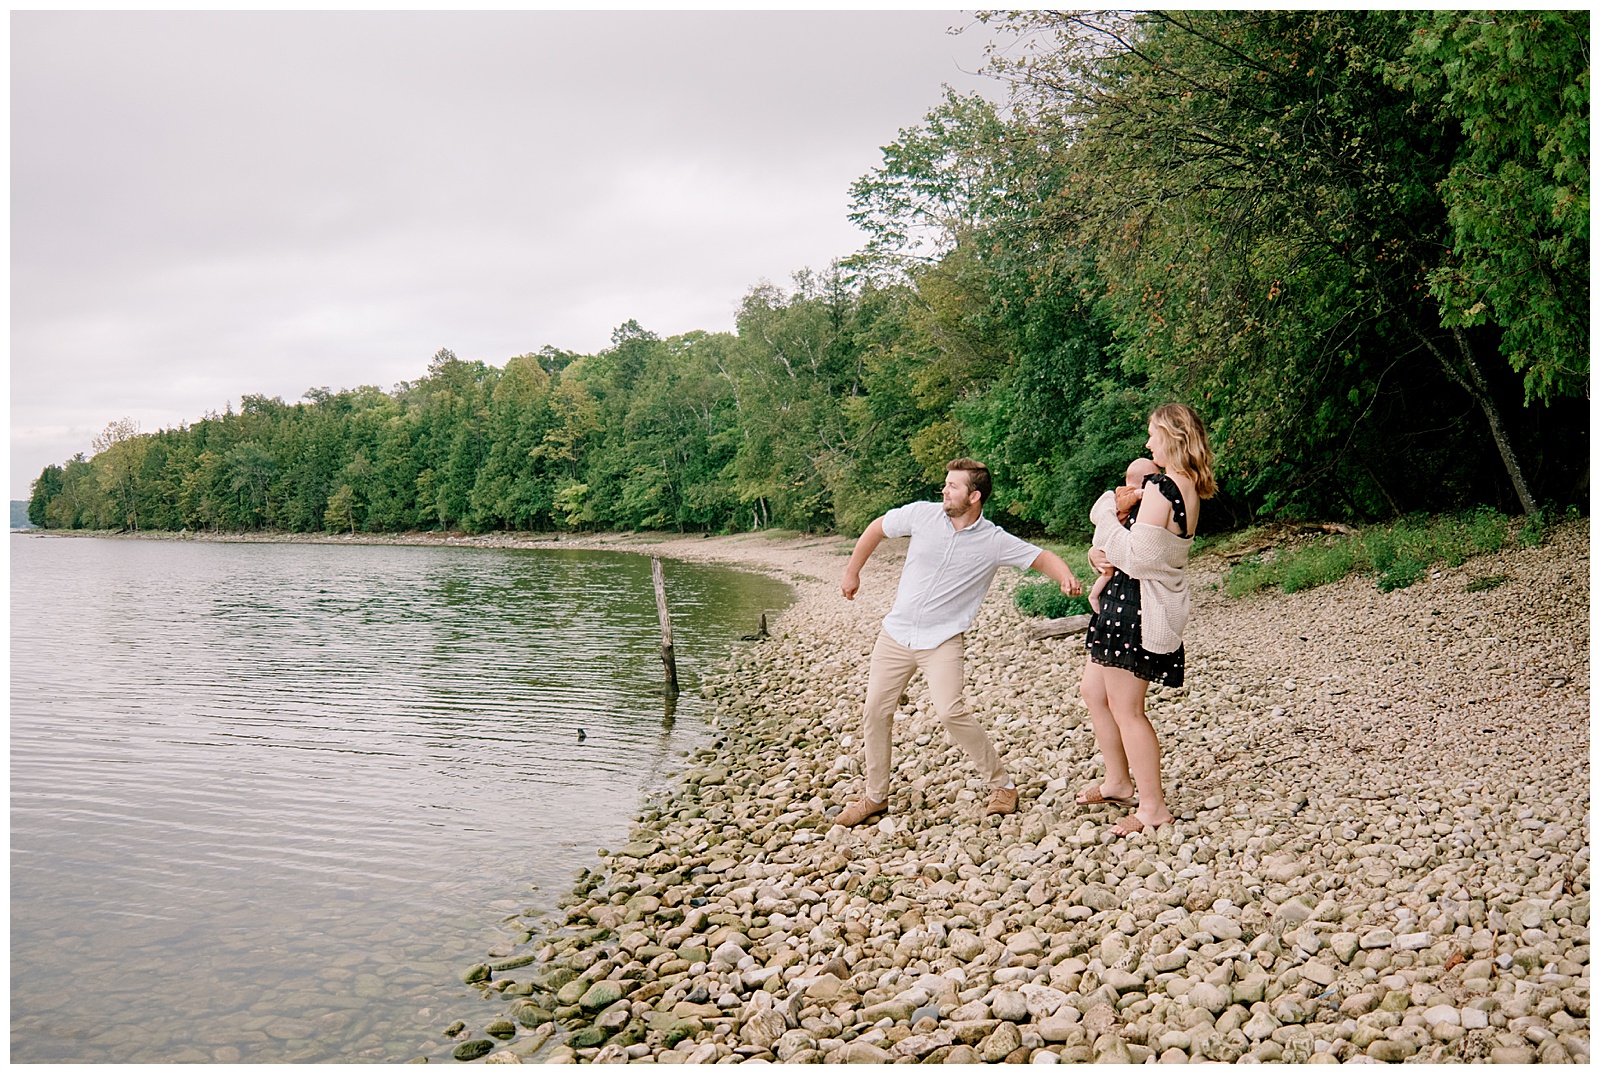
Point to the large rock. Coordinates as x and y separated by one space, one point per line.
1252 989
1209 997
1111 1048
964 945
972 1031
1057 1027
1123 981
1318 973
763 1029
919 1045
600 995
1001 1043
1026 942
1097 897
858 1052
1098 1019
469 1050
1042 1000
825 990
727 955
1413 941
893 1009
1008 1005
793 1043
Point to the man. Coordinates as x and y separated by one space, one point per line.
953 556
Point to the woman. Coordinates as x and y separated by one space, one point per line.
1137 637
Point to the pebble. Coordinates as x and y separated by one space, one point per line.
1379 853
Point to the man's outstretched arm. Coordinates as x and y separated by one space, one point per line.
1055 568
869 540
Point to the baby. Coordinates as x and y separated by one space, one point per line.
1128 496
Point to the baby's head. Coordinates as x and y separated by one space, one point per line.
1138 470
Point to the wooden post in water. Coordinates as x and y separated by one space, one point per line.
669 662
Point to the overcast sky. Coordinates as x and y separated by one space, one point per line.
206 204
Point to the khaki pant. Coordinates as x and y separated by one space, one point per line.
890 671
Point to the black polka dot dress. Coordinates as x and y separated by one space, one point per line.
1115 637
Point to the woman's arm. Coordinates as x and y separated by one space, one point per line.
1154 511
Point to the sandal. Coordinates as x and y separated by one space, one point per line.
1091 795
1129 825
1132 825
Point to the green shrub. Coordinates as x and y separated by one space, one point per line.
1320 564
1531 532
1401 574
1039 596
1486 531
1045 599
1398 554
1252 575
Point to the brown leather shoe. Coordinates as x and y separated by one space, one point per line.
1001 802
856 812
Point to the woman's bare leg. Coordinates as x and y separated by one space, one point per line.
1125 694
1118 783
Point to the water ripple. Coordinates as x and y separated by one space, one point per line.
245 779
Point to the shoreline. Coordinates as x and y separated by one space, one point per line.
1380 852
799 559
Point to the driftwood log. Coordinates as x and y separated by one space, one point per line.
1056 628
1275 535
668 658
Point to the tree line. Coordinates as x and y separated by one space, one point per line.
1355 241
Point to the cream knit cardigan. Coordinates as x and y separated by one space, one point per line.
1156 557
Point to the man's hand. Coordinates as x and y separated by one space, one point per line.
1051 566
870 538
850 583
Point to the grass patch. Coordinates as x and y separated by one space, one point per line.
1397 555
1480 585
1041 597
1045 599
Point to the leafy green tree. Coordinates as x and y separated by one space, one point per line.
1263 206
118 461
1517 192
45 488
78 504
341 512
510 490
250 469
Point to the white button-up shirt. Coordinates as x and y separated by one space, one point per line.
947 572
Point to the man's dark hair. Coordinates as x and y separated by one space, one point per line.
978 478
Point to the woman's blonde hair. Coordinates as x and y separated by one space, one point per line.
1185 436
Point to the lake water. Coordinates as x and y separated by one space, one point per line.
268 801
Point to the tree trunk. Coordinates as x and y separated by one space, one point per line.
1496 428
1477 387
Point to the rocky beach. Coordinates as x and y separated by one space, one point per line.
1381 849
1380 852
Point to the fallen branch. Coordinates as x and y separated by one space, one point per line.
1055 628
